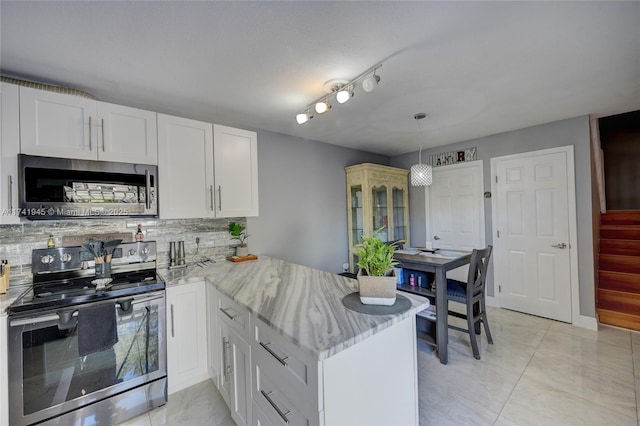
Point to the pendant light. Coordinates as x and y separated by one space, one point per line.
421 174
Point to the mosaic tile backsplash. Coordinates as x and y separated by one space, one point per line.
17 241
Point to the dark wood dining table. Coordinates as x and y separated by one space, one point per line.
438 263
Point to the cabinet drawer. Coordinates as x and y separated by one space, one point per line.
286 364
276 405
233 314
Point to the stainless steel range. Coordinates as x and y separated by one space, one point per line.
79 355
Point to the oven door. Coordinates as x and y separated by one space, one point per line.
47 375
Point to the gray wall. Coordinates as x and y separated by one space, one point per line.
303 198
573 131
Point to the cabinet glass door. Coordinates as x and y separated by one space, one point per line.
357 222
380 211
399 227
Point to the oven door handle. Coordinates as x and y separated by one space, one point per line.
37 320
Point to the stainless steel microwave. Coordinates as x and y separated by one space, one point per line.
60 188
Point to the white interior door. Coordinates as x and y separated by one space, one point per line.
532 244
456 210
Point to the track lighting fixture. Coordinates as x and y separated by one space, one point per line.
421 174
303 117
342 92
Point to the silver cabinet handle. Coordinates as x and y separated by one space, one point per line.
211 193
173 331
282 361
10 192
219 198
224 357
90 139
275 407
435 237
224 311
560 246
103 141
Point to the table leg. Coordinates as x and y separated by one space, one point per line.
442 315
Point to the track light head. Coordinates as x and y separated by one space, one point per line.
303 117
323 106
370 83
344 94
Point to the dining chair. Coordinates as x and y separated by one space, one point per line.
471 294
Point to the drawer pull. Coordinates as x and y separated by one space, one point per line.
275 407
282 361
224 311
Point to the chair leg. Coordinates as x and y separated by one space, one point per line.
485 321
472 335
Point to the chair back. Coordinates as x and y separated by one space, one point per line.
478 271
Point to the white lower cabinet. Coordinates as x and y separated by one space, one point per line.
4 372
268 380
186 335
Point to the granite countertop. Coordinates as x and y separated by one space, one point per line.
10 296
302 304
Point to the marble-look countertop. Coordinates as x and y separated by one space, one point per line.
302 304
10 296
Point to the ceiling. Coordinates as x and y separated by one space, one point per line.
475 68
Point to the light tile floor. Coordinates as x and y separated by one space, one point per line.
537 372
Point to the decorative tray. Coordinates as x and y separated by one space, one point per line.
241 259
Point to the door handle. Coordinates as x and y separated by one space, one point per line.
219 197
103 142
211 192
435 237
90 131
560 246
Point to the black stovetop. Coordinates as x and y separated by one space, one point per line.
64 293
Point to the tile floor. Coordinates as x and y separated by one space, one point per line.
538 372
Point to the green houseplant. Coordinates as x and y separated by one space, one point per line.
376 276
237 232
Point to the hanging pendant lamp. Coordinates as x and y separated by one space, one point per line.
421 174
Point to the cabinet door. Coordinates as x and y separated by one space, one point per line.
9 148
213 335
240 398
185 167
57 125
128 135
4 373
236 172
225 365
187 340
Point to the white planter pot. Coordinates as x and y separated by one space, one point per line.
377 290
242 251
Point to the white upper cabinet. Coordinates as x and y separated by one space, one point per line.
9 148
127 135
60 125
236 171
185 168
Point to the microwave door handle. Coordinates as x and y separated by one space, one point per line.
147 188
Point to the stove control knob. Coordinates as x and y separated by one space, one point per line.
66 257
46 259
145 250
132 252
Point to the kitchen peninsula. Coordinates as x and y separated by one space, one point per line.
282 348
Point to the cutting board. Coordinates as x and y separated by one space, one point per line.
236 259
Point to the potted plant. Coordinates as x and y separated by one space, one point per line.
237 232
376 276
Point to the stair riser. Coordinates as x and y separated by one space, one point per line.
619 281
631 322
627 264
628 303
624 247
620 233
621 218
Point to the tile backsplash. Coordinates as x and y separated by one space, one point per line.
17 241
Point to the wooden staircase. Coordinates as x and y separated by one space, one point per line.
619 269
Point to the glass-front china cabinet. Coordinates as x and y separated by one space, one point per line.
377 197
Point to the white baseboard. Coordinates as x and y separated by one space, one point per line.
491 301
586 322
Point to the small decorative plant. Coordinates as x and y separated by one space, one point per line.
376 256
237 232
